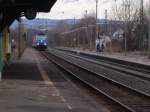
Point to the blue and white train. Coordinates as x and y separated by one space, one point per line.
40 41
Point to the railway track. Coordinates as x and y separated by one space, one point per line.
135 82
120 65
125 97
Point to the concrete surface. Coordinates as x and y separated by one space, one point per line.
28 85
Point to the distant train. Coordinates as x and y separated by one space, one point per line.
40 41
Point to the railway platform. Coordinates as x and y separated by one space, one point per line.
133 57
30 85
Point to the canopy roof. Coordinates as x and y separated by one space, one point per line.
14 9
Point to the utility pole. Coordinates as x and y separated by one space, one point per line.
141 39
46 27
96 9
149 34
19 38
62 16
106 14
86 18
74 21
86 28
127 17
126 10
96 34
74 35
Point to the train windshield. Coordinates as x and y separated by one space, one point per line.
41 37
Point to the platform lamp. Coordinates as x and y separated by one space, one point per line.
96 19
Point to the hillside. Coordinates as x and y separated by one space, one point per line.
51 23
40 23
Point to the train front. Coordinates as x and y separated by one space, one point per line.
41 41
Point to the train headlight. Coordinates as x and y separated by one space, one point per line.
45 44
38 43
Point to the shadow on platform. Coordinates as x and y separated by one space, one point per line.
21 71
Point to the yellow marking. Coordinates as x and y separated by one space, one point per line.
47 81
62 98
44 74
69 107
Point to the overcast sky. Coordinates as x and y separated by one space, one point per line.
64 9
74 8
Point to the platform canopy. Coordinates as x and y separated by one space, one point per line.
14 9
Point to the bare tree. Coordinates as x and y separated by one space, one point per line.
88 35
80 34
128 12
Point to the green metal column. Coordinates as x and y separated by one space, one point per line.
1 55
6 45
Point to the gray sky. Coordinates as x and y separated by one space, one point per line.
64 9
75 8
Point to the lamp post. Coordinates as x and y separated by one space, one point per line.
96 22
96 9
19 38
62 20
126 8
106 14
86 18
86 29
62 15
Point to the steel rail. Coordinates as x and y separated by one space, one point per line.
126 108
98 74
123 70
114 82
93 57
